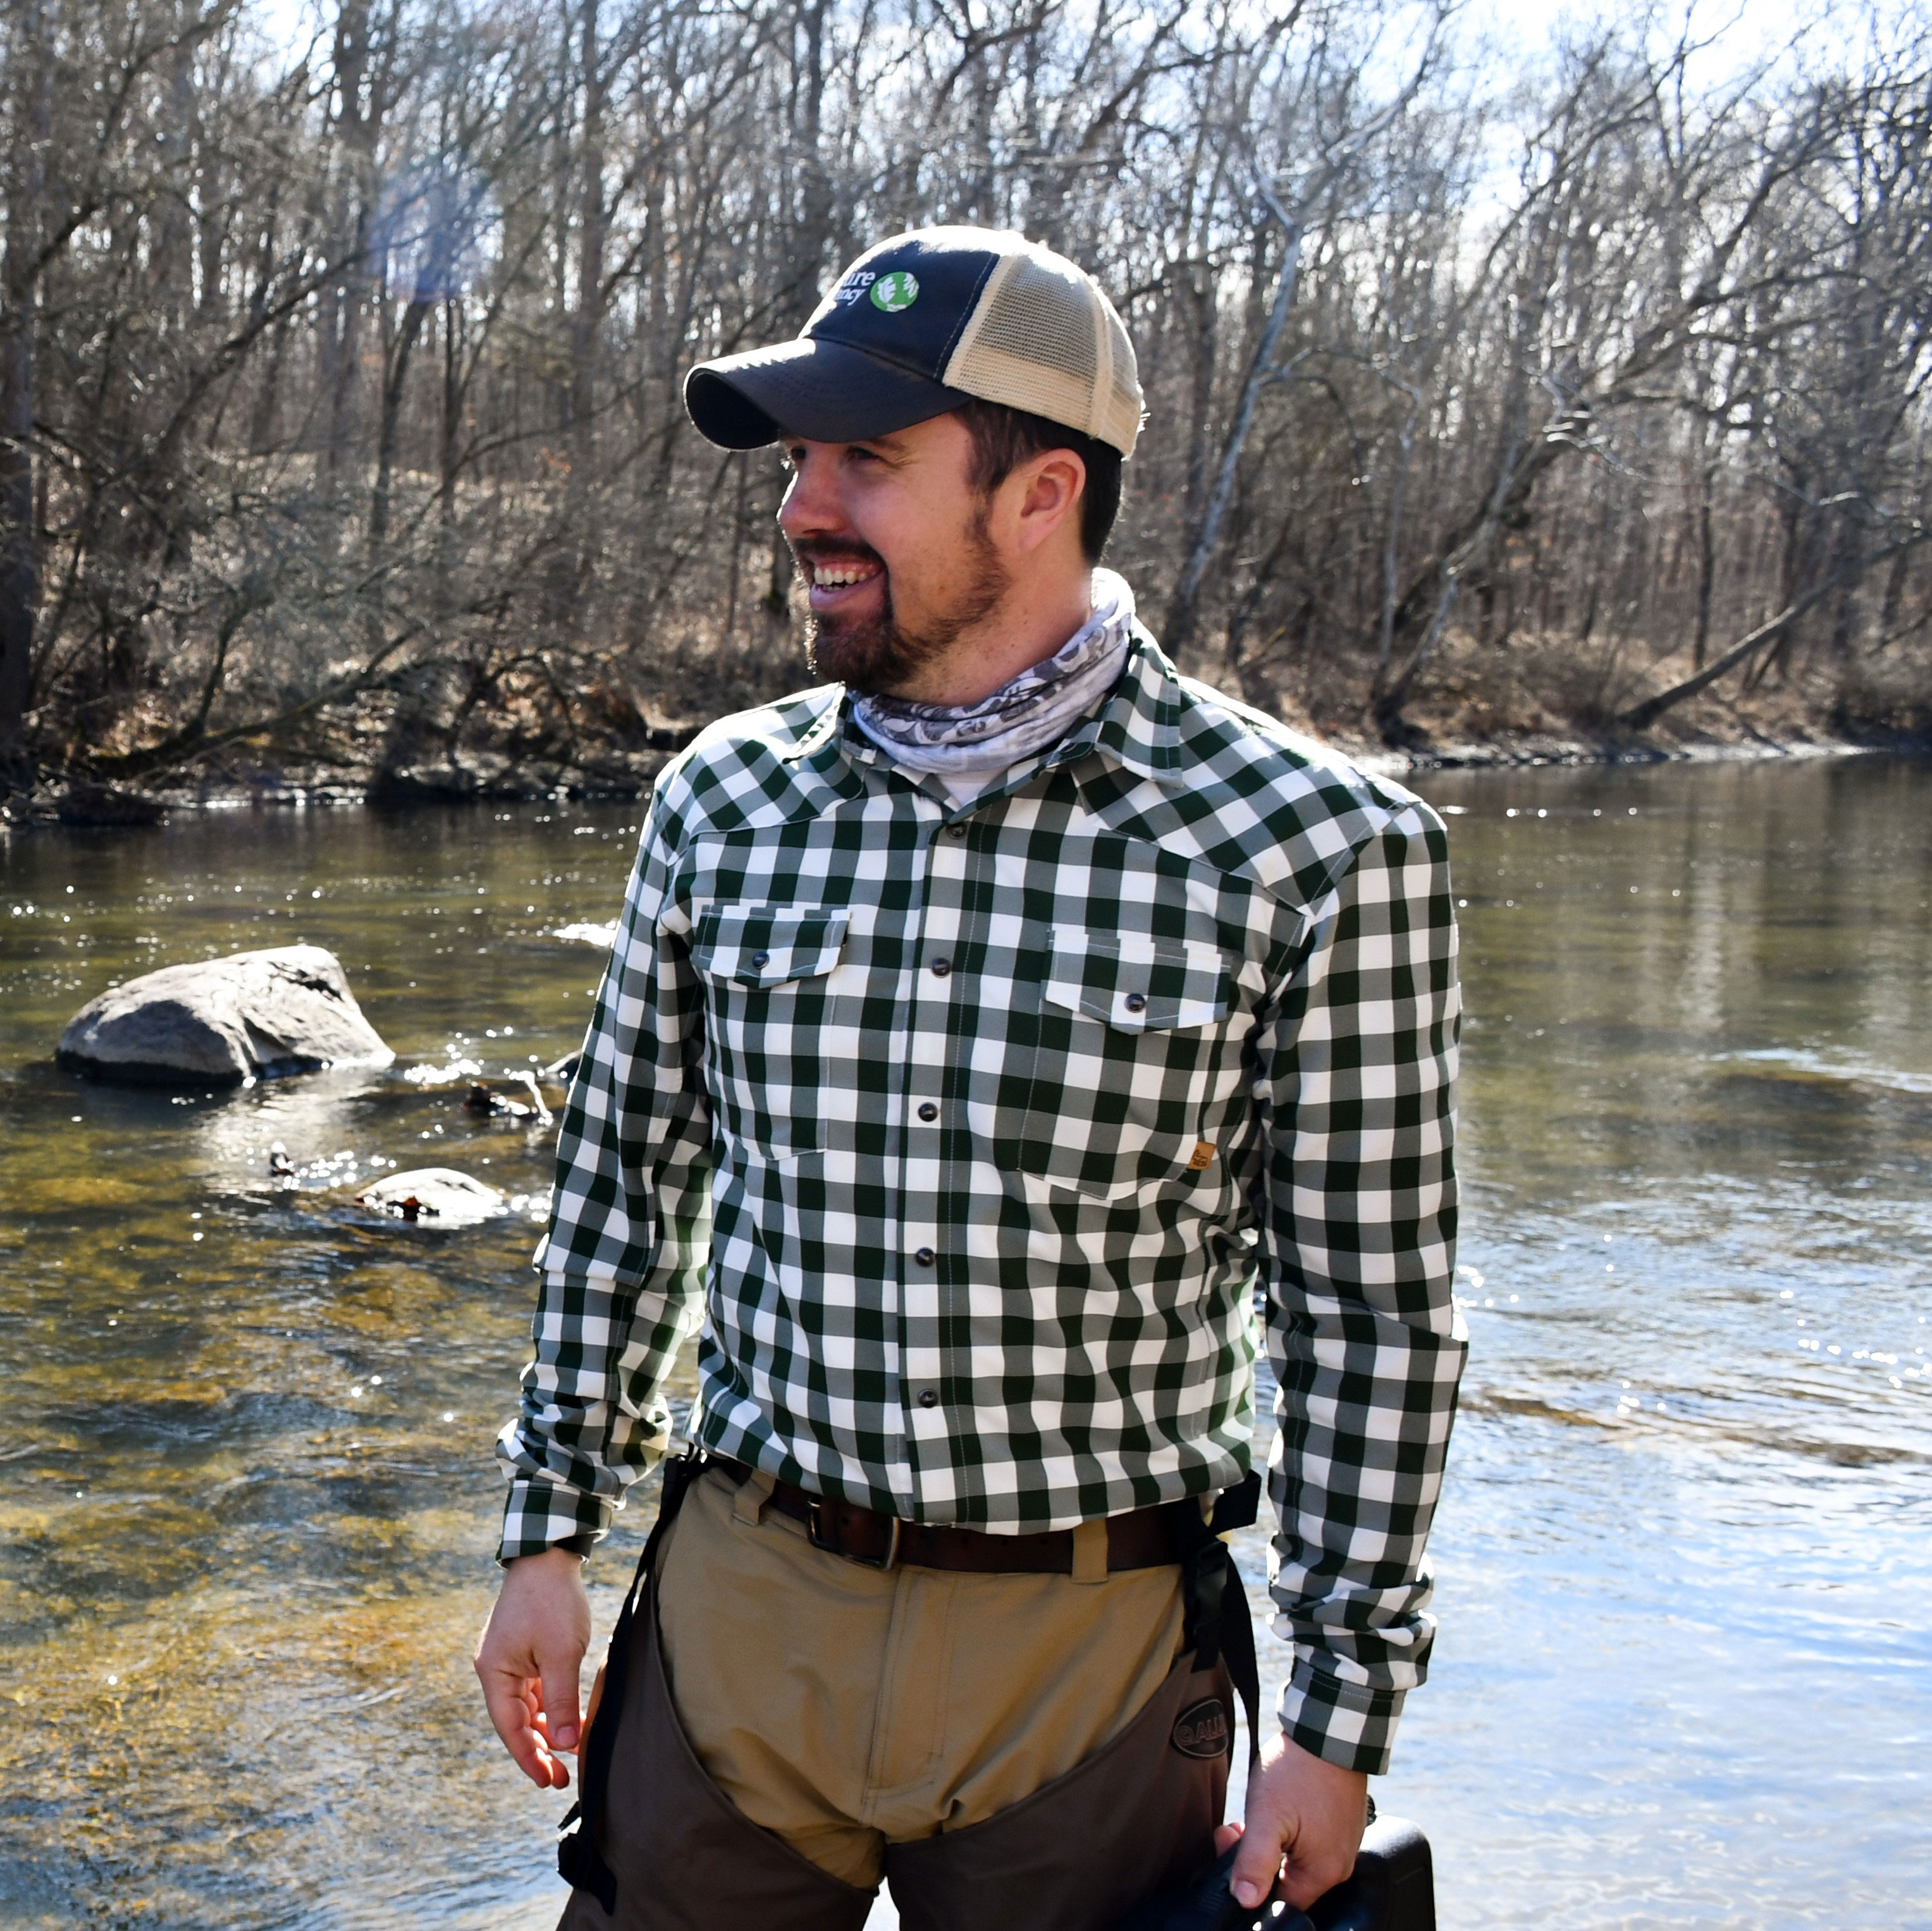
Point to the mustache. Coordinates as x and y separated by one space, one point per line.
807 550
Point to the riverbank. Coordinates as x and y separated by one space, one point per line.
482 777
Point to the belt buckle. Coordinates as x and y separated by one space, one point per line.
815 1531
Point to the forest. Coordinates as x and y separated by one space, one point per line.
1554 396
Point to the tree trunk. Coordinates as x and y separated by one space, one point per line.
587 322
1182 611
810 233
1392 535
397 380
19 548
1707 568
359 133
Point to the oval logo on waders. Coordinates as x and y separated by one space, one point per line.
1201 1730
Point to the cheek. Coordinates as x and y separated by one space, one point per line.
924 547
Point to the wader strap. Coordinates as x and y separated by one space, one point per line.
1219 1624
578 1863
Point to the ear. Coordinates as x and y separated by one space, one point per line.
1048 490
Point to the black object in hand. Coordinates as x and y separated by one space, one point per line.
1392 1888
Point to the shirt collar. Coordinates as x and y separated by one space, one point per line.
1139 725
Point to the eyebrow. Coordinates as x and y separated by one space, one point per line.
893 443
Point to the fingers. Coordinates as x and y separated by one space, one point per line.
528 1661
557 1772
1305 1879
560 1698
1304 1824
515 1714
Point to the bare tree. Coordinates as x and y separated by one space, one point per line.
339 423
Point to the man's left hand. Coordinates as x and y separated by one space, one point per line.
1305 1820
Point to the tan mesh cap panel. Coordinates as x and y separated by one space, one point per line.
1044 338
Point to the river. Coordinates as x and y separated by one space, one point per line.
1684 1552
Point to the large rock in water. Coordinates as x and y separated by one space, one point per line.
250 1015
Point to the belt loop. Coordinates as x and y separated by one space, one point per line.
753 1493
1089 1552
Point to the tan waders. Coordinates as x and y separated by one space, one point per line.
660 1846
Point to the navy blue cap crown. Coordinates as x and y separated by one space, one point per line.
907 302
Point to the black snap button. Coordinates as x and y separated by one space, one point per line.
955 830
761 960
928 1398
928 1111
940 967
1136 1002
926 1257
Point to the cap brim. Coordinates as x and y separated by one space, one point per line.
821 391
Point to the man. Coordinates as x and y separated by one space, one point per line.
986 1025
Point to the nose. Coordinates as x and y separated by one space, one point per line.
810 505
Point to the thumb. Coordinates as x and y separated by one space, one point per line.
559 1702
1258 1862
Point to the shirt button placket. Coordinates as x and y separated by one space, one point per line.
925 1292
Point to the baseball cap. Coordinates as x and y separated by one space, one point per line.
921 323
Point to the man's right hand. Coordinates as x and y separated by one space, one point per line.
528 1660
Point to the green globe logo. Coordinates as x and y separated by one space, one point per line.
894 292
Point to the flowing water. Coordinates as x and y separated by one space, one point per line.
1685 1550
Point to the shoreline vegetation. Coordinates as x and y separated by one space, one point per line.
1566 399
85 804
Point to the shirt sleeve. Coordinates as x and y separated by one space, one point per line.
622 1259
1357 1250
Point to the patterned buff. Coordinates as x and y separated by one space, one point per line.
964 1136
1037 708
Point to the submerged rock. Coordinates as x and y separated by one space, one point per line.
438 1194
250 1016
485 1101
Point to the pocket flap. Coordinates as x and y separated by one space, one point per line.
766 945
1110 1177
1136 984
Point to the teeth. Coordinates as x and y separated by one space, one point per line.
825 577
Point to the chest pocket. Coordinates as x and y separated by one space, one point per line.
1136 1065
770 1030
1136 984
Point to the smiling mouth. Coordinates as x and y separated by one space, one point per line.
839 576
835 582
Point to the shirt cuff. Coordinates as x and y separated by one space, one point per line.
1347 1724
539 1515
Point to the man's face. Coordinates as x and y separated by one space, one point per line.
891 539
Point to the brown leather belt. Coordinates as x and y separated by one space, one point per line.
1143 1539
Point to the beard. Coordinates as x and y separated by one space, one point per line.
875 655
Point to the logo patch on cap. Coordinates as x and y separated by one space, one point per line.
896 292
1201 1730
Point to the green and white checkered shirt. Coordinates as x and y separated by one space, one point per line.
969 1133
